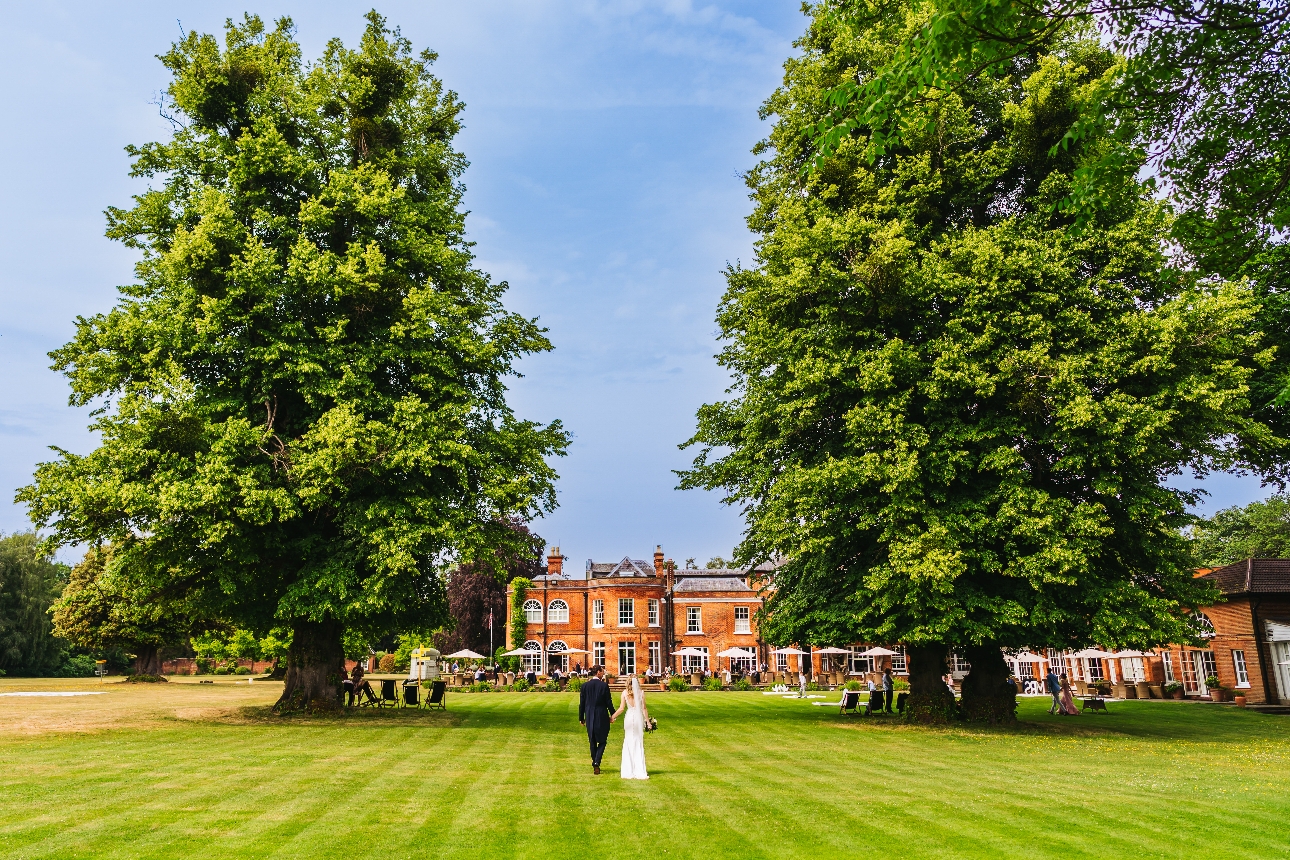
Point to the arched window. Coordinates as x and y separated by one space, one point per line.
1207 626
557 646
533 659
533 613
557 612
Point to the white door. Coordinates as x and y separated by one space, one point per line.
1281 665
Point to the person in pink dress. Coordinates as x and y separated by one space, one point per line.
1068 701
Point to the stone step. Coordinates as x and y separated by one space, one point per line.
1269 709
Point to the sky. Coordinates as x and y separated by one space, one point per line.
606 142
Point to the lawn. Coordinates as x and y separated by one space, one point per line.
187 770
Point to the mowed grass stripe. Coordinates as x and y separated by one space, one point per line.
507 775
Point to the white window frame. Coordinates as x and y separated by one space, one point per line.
695 664
899 662
626 612
558 652
857 665
532 658
694 621
744 624
598 653
1242 671
1168 665
598 614
781 662
532 611
626 657
656 655
557 612
652 609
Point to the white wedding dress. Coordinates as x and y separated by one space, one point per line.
634 736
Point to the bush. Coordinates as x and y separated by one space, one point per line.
551 686
521 685
387 663
80 666
743 684
242 670
1212 682
677 684
575 684
852 685
145 679
898 685
222 670
712 683
812 685
1172 687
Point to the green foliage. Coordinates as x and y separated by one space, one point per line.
677 684
520 685
575 684
1212 683
712 682
30 581
388 663
302 407
950 412
899 685
1172 687
242 670
550 686
520 588
1258 530
742 683
506 664
852 685
77 666
717 563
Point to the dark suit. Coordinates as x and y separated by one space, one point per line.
595 706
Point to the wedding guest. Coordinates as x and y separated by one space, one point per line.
888 689
1054 687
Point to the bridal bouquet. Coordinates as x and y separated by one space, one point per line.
651 725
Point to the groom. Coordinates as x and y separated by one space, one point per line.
595 711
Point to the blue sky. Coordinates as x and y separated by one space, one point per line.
606 142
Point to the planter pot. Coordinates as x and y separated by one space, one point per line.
1157 691
1240 701
1218 695
1177 694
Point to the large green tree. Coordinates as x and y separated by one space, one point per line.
103 607
1204 89
1258 530
301 402
30 581
951 412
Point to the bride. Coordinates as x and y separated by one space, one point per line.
633 702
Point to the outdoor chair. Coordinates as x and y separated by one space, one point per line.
1095 705
874 704
438 696
389 694
367 698
901 698
850 702
411 694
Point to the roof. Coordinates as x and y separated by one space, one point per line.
710 583
1253 576
626 567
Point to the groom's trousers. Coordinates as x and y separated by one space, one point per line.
598 735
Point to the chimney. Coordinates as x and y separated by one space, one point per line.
554 562
658 561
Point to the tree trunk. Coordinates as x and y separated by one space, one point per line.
147 660
930 700
313 668
278 672
987 695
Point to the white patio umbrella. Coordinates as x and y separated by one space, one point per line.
1093 654
689 652
736 652
1118 654
1027 657
878 651
520 652
832 650
466 654
787 651
574 651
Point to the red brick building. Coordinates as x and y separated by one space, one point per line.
634 614
1250 647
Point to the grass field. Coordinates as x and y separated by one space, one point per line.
182 770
